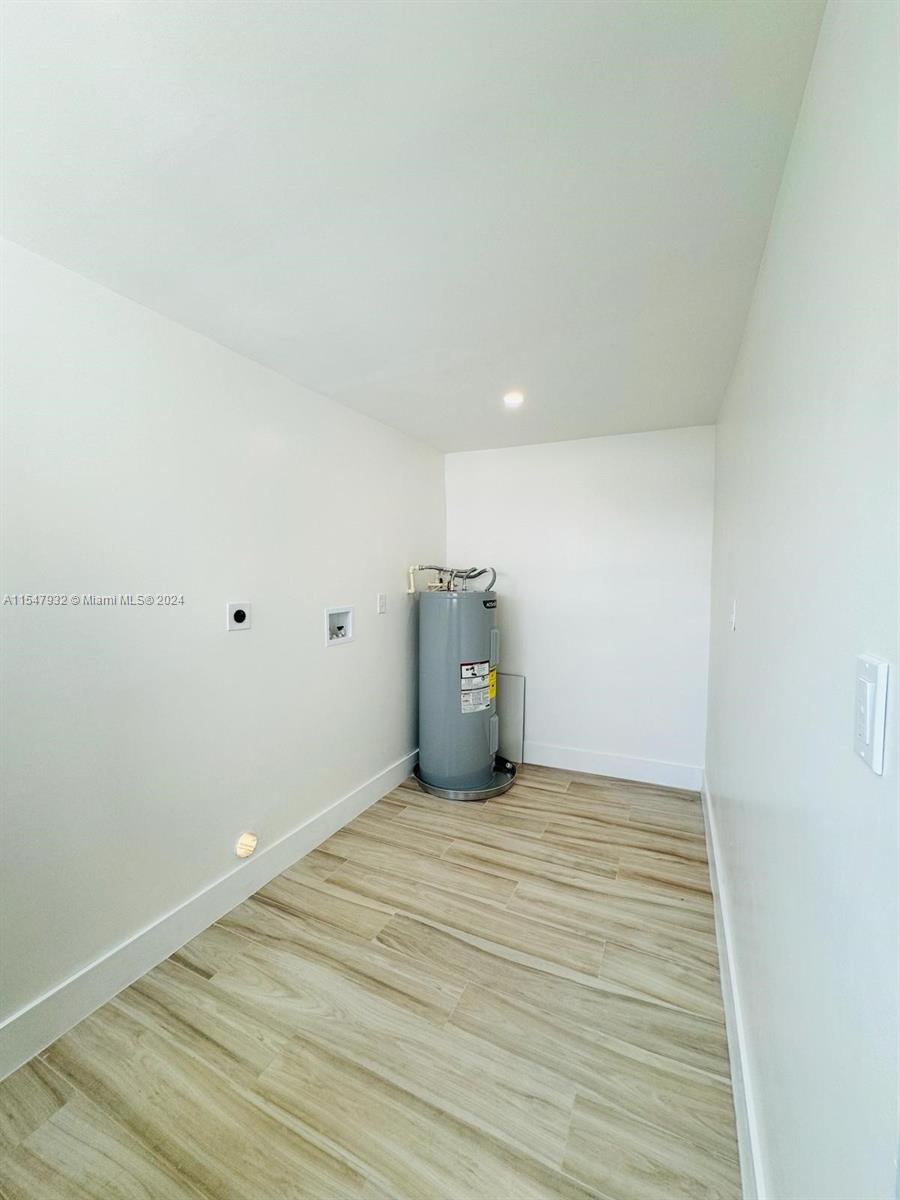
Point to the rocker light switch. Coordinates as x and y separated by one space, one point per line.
870 709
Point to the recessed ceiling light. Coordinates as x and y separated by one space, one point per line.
514 399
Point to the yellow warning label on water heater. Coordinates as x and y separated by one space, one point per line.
492 684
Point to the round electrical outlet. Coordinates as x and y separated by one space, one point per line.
238 615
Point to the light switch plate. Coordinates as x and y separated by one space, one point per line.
870 710
381 603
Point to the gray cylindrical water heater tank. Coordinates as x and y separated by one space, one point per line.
459 649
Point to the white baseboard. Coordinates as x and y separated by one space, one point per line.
753 1177
592 762
31 1029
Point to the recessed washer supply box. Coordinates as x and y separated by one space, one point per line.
339 625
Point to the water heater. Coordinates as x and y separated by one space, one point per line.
459 653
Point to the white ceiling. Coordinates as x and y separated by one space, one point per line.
416 206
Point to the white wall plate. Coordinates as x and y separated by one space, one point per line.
237 616
870 711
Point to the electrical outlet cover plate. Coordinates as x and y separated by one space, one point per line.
870 711
237 616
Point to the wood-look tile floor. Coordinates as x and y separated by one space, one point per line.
498 1001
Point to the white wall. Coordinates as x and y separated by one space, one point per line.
603 553
806 539
142 457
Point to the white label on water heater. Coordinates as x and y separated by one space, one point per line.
473 670
470 685
474 688
475 701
